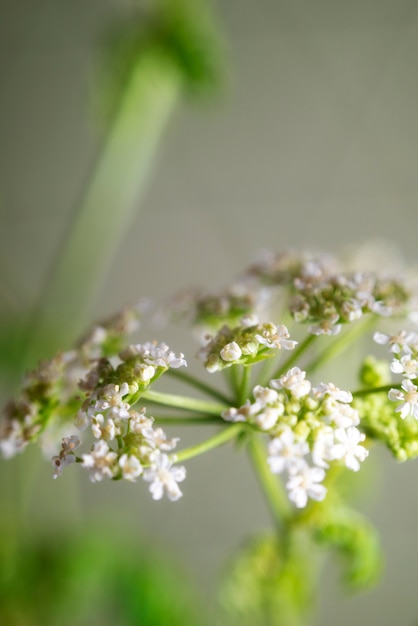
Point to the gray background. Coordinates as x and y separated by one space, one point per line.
313 142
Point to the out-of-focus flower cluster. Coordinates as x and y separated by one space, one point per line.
94 390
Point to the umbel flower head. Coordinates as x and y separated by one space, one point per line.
97 399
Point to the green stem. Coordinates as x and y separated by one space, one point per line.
110 201
383 389
198 384
245 384
273 490
186 420
344 341
232 377
184 402
225 435
294 356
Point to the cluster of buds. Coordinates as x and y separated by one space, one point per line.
324 296
245 344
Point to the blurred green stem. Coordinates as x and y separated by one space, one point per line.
273 490
111 198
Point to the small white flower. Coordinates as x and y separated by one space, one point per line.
406 366
409 398
322 450
275 337
101 461
285 453
103 430
130 466
306 484
144 372
401 342
140 424
265 395
164 478
329 389
231 352
348 449
342 415
295 381
268 417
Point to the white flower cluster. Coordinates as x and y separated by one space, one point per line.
127 445
211 311
310 427
245 344
404 348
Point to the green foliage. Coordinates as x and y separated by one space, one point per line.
356 541
96 579
271 582
180 34
378 417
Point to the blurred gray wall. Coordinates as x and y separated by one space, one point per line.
313 142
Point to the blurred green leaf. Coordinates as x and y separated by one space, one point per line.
356 541
271 583
96 579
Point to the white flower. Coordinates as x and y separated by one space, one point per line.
131 467
348 449
144 372
409 398
265 395
275 337
268 417
329 389
401 342
406 366
343 415
306 484
155 354
164 478
140 424
295 381
231 352
322 450
112 402
102 430
285 453
101 460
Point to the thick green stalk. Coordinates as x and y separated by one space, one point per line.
111 198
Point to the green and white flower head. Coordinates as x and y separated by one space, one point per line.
244 345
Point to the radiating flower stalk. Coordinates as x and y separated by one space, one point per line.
302 433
